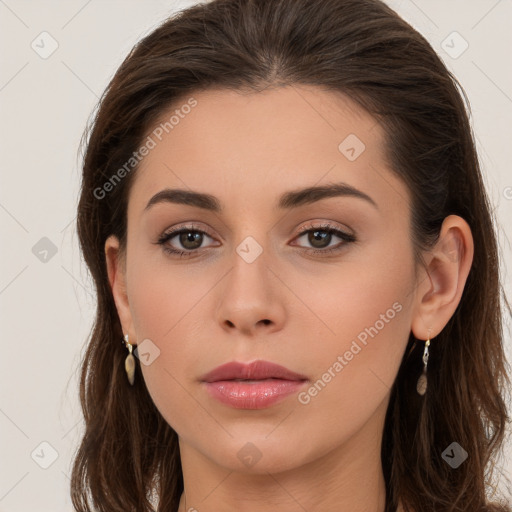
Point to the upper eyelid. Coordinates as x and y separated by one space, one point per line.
189 227
311 225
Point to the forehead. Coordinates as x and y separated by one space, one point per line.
252 146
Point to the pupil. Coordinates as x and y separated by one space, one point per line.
320 236
191 237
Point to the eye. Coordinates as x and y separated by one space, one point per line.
321 236
190 239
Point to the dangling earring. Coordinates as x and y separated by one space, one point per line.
421 386
129 362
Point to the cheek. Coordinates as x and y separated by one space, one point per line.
162 294
166 304
355 367
355 294
160 316
368 323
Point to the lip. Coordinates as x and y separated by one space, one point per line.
256 385
257 370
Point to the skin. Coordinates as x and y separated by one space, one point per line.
247 149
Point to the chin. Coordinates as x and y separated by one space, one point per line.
257 455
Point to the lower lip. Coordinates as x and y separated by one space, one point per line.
253 394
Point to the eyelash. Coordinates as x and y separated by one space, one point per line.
326 228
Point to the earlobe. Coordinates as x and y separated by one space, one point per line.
116 270
442 282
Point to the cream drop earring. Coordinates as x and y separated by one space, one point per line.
129 362
421 386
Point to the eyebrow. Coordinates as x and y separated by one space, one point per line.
288 200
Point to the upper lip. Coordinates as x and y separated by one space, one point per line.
257 370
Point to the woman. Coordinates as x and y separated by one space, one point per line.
284 216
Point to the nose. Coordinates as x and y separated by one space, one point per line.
251 299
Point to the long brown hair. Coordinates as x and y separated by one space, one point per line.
363 49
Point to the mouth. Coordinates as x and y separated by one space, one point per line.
257 385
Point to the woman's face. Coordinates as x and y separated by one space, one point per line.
252 287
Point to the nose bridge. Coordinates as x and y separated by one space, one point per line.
250 275
253 258
250 231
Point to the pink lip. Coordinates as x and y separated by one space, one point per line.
252 386
257 370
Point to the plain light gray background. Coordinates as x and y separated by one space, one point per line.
46 298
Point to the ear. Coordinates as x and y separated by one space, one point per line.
116 268
440 285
